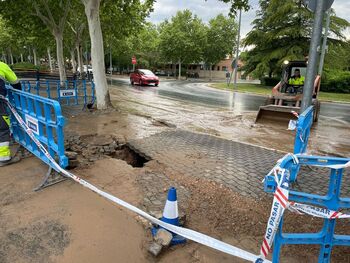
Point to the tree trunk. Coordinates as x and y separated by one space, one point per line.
80 58
11 56
4 57
73 60
210 72
29 55
34 57
92 11
21 57
50 59
60 58
179 69
110 60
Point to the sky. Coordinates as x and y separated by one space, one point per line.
165 9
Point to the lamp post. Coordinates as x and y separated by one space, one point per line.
313 56
324 44
237 51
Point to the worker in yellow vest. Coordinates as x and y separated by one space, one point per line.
296 82
6 75
297 79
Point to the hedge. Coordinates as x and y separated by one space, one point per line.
336 81
28 66
267 81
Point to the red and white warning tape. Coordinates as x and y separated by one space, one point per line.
280 203
295 113
185 232
315 211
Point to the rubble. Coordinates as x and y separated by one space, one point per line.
163 237
155 249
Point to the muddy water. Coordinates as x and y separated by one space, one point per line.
199 93
234 120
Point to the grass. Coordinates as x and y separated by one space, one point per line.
264 90
327 96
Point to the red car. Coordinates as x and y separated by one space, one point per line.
143 77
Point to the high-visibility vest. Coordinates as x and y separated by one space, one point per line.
7 74
297 81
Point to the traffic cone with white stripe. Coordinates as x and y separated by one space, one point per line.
171 216
171 211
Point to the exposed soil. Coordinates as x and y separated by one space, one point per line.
87 149
65 222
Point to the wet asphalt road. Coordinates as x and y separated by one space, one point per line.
196 92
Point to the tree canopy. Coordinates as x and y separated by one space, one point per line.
220 39
282 31
182 38
237 5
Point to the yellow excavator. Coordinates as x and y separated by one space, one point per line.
286 97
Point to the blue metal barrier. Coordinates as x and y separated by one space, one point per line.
326 238
304 124
74 92
301 140
44 117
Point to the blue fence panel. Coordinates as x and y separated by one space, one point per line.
44 117
326 237
73 92
304 124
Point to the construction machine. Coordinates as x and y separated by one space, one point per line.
286 96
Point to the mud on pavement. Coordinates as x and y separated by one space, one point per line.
67 223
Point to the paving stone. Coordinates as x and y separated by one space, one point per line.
239 166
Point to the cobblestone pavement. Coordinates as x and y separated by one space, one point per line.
155 188
239 166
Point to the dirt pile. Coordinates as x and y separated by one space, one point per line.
216 210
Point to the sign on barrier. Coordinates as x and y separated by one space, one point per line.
43 116
32 123
324 206
67 93
74 92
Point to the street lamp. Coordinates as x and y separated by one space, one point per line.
319 7
237 51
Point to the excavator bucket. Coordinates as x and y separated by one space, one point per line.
285 96
275 113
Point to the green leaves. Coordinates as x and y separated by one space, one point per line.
220 40
282 31
182 39
237 5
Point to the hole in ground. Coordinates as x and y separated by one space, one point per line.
131 157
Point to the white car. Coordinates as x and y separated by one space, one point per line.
86 68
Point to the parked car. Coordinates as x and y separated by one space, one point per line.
86 69
160 73
143 77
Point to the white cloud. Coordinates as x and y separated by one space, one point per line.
165 9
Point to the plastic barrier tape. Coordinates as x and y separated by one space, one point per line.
187 233
280 203
316 211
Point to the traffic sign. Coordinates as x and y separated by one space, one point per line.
311 4
133 60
